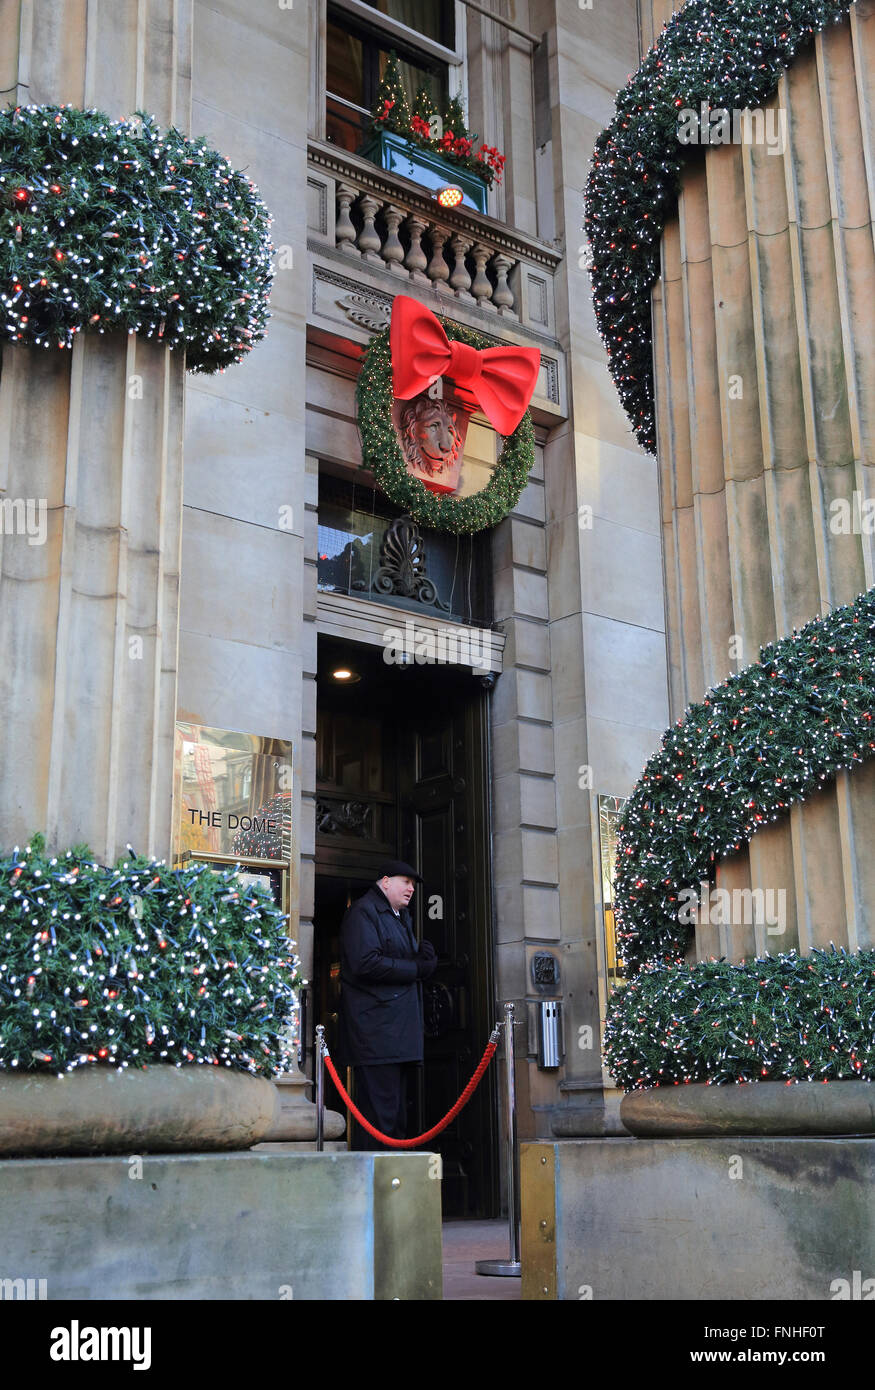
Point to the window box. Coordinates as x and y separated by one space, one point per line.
401 156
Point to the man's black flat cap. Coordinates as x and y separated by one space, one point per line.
396 868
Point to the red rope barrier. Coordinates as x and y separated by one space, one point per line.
435 1129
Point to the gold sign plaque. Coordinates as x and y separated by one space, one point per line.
233 794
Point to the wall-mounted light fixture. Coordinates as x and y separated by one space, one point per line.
450 196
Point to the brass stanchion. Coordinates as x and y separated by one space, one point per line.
320 1088
511 1267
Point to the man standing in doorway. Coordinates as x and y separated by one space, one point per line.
381 971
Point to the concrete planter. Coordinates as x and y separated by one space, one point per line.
765 1107
160 1109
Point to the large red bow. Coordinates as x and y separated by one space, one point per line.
502 379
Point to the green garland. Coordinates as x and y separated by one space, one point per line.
778 1018
113 224
765 738
728 54
382 454
137 964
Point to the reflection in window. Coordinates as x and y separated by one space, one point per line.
434 18
356 58
610 811
352 523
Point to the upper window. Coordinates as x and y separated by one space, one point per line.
434 18
357 54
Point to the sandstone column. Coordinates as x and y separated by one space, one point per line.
89 607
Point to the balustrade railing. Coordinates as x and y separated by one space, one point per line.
380 232
380 221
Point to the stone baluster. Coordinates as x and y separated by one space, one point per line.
416 259
460 279
481 287
393 251
438 271
344 231
369 238
503 295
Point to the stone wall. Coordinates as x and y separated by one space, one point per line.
243 642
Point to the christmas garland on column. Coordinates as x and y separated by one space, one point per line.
727 54
762 740
780 1018
381 452
139 964
115 224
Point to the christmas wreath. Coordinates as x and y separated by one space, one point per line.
382 455
115 224
725 54
765 738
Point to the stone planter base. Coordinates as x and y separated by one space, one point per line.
270 1226
159 1110
765 1107
732 1218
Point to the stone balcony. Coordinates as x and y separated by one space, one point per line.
372 234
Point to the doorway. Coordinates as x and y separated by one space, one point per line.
402 771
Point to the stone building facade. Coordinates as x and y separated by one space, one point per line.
202 514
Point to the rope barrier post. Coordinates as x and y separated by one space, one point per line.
320 1088
510 1268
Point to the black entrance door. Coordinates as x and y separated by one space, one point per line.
402 770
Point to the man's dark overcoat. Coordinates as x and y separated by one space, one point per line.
381 998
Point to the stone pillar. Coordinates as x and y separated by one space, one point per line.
765 388
89 613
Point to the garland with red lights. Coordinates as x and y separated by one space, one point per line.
108 225
727 54
139 964
779 1018
759 742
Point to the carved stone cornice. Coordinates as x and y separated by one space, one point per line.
462 221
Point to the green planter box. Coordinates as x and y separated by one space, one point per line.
401 156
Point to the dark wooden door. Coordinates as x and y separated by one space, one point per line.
403 771
443 812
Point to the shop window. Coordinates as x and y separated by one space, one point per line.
612 967
357 54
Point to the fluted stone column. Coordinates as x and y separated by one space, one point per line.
765 386
92 440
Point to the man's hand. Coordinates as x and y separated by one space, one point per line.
426 961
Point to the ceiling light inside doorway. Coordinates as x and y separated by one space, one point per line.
344 676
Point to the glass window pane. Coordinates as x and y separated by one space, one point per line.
413 77
344 64
435 18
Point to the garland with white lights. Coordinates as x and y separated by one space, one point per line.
115 224
777 1018
727 54
382 454
139 964
765 738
